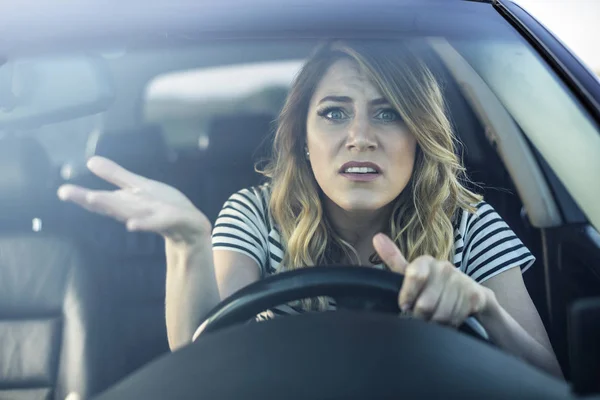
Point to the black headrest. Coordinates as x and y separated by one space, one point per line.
142 150
26 176
133 149
241 138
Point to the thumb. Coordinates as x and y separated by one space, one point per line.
389 253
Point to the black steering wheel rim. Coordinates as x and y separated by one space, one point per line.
378 287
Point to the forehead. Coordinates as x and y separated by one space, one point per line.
345 78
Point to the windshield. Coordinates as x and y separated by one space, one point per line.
485 81
182 88
211 122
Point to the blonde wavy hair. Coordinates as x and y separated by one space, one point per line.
422 216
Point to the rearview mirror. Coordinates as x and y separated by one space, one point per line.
44 90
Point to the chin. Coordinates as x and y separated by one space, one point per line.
361 204
359 200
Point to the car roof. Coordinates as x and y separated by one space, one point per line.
44 26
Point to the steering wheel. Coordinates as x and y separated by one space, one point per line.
356 288
337 355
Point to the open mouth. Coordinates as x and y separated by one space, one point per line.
360 171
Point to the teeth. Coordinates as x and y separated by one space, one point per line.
360 170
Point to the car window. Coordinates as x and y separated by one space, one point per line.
184 102
182 90
542 107
547 112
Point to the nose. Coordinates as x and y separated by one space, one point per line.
360 135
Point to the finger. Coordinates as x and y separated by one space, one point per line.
461 311
447 305
75 194
415 280
120 205
114 173
469 301
100 202
79 196
428 301
389 253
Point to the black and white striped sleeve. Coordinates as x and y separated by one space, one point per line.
491 247
241 227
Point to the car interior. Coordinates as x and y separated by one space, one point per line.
81 298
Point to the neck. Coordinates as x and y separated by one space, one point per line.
358 227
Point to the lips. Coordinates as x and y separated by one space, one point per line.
360 164
360 176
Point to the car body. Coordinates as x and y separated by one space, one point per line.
90 304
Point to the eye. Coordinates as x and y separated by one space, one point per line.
332 113
388 115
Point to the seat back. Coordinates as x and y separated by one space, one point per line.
236 143
142 150
42 308
128 268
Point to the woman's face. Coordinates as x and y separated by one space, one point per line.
361 153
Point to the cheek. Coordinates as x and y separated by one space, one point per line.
403 155
313 135
321 145
319 132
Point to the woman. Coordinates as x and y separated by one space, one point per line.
364 153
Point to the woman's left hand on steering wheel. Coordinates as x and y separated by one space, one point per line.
434 290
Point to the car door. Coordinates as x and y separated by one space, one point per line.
564 133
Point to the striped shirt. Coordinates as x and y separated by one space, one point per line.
484 245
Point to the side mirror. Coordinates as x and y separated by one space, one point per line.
584 346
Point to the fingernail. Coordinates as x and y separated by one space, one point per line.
62 194
377 239
92 162
380 240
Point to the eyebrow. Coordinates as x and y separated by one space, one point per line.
346 99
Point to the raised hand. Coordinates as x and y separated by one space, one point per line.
141 203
